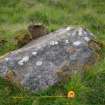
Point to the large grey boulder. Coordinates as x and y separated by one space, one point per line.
47 60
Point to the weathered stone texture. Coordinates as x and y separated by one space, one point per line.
39 64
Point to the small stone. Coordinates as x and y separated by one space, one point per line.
39 63
77 43
34 53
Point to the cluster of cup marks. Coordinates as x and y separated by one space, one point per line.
25 59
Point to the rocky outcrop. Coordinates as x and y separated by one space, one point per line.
47 60
37 31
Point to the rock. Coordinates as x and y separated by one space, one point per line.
49 59
23 37
37 30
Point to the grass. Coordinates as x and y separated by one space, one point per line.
16 15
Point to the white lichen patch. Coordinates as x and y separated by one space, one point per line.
34 53
56 42
80 32
87 39
25 59
7 59
77 43
21 63
66 41
52 43
39 63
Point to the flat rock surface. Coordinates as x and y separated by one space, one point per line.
38 64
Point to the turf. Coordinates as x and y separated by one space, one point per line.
15 15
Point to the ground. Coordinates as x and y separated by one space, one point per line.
15 15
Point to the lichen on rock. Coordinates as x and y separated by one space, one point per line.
49 59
